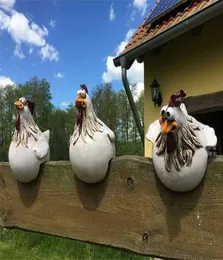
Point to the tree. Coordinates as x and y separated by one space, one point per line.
7 118
129 141
111 106
104 100
37 91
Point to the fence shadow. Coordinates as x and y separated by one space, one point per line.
178 205
29 191
91 195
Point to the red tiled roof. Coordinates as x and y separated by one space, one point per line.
144 33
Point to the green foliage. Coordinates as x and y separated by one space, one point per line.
110 106
23 245
104 100
39 92
7 118
114 110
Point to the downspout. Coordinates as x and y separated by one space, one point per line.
126 60
132 104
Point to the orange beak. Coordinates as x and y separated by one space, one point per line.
167 125
19 105
80 102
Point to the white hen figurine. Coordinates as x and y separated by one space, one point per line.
180 146
29 147
92 144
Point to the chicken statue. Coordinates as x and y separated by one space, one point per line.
92 144
180 146
29 147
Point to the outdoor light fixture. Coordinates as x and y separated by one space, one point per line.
156 95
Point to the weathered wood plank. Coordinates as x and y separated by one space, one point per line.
131 209
204 103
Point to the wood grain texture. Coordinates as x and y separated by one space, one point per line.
205 103
130 209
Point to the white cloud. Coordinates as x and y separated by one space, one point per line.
48 52
120 48
132 17
30 50
112 73
7 3
59 75
137 89
24 31
135 74
4 81
27 32
52 23
65 104
112 12
141 5
18 52
4 21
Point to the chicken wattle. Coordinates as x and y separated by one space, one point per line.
92 145
29 147
180 146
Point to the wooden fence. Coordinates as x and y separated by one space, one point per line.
130 209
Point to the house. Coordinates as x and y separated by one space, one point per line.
181 45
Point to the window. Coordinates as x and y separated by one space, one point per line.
213 119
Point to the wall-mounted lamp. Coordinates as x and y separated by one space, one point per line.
156 95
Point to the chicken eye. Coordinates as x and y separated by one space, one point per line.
163 113
22 100
170 114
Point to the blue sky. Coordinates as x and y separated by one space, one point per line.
68 42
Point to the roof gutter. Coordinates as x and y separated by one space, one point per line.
126 60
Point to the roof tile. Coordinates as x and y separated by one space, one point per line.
146 33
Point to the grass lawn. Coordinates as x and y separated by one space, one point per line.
23 245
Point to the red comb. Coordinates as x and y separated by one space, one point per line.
84 87
176 100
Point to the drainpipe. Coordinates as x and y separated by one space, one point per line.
126 60
132 104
